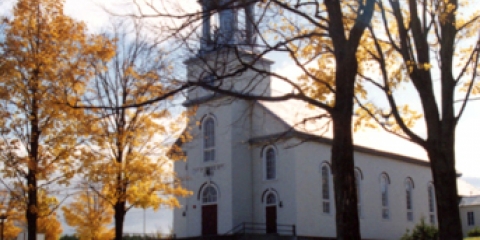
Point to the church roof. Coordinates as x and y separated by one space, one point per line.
314 122
466 189
470 201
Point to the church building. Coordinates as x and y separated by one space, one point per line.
264 167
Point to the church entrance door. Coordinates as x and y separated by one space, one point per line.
271 216
209 219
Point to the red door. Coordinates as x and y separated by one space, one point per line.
209 219
271 215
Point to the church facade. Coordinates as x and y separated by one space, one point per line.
263 167
246 165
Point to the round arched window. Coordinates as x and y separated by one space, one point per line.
271 199
209 195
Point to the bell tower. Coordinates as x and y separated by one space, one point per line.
227 52
218 169
227 23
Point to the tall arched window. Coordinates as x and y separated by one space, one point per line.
209 195
270 164
358 179
384 182
325 188
431 204
409 198
208 140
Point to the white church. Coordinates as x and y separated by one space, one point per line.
263 167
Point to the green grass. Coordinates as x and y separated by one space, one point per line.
472 238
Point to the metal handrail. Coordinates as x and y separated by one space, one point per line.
252 227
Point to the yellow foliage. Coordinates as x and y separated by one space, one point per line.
131 163
90 215
48 61
47 222
50 226
13 222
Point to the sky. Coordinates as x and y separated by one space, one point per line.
468 131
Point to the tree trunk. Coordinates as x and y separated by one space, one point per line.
31 211
343 168
119 208
32 188
442 157
343 165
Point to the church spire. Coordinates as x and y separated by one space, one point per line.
227 22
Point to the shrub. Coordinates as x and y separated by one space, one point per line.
422 231
68 237
474 232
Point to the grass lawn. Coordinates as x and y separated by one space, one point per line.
472 238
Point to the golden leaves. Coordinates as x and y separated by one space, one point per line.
51 58
90 215
371 116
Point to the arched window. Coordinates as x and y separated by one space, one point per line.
431 204
270 164
208 140
325 189
358 179
384 182
409 198
209 195
271 199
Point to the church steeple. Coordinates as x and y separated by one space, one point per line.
227 22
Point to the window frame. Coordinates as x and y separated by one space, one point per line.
384 194
270 165
208 133
267 198
470 218
409 186
325 175
204 191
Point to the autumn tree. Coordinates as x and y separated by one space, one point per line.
329 27
46 62
13 199
90 215
431 47
47 222
128 146
50 226
9 208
